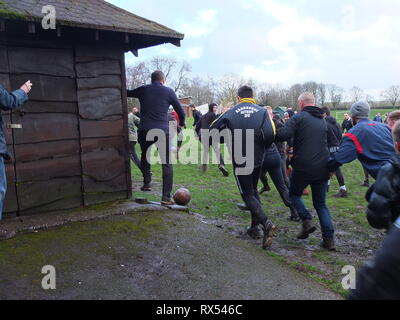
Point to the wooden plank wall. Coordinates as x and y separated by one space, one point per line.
72 149
103 136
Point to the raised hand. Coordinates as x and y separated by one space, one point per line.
27 87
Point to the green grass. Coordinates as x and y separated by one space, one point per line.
339 114
215 197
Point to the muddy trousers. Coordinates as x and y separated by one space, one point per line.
273 166
134 156
247 185
3 185
165 155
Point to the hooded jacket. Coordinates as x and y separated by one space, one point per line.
384 196
205 121
310 148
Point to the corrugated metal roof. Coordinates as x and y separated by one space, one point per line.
92 14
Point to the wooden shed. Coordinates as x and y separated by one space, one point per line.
71 148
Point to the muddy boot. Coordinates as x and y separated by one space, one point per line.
328 244
167 202
342 194
146 188
223 170
294 216
306 229
203 168
254 233
269 230
6 234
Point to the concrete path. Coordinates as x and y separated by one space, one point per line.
148 255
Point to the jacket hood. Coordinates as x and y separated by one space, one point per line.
315 111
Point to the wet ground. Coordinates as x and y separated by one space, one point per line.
148 255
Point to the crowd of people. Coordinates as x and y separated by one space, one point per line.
310 141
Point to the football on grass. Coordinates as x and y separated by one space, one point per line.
182 197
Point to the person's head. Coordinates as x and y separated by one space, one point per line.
213 107
379 115
327 111
360 110
286 116
135 110
158 76
245 92
346 116
396 135
306 99
393 118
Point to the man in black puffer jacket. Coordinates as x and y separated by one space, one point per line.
334 140
381 278
310 166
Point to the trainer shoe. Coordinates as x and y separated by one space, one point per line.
242 207
342 194
254 233
264 189
365 184
167 202
146 189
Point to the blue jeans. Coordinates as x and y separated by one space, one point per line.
3 184
318 189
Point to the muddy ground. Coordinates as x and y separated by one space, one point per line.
148 255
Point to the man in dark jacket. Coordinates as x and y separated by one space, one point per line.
8 101
371 142
155 100
251 131
310 157
196 115
381 278
334 140
347 123
204 124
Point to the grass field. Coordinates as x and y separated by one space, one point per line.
215 198
339 115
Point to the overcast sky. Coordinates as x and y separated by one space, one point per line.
346 42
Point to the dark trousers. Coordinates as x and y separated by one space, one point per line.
339 175
318 188
217 151
248 190
273 165
164 151
134 156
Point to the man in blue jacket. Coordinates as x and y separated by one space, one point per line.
369 141
155 100
8 101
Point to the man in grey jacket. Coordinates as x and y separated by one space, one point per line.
8 101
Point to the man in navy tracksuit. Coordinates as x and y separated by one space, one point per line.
243 121
155 100
369 141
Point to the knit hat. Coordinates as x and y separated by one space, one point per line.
361 110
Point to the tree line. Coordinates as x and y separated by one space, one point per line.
223 89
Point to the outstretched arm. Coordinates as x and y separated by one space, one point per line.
15 99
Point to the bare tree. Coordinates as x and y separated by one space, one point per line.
312 87
182 76
356 94
321 94
137 75
165 64
201 91
228 87
392 95
335 94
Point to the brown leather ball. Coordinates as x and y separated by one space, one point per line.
182 197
